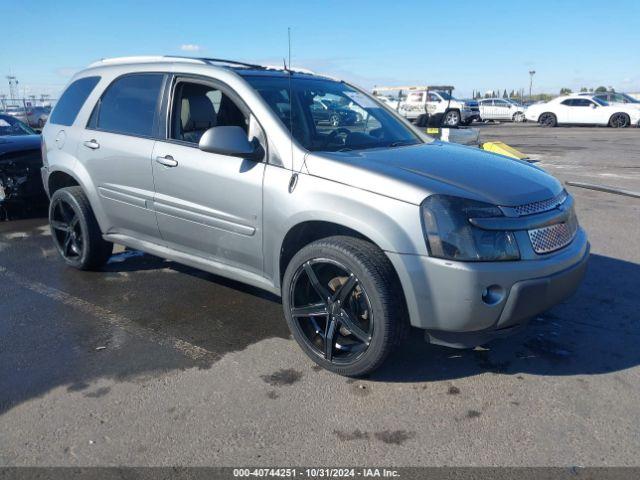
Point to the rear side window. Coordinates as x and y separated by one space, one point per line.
129 105
71 101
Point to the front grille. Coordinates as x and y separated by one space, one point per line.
541 206
554 237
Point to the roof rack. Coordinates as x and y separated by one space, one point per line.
220 60
205 60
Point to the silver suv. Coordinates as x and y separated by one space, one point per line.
363 229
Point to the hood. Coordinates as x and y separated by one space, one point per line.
17 143
412 173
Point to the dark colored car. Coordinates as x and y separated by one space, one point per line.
326 112
21 189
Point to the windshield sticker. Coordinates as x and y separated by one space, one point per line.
362 100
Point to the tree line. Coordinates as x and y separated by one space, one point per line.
521 95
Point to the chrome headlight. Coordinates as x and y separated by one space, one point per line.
450 235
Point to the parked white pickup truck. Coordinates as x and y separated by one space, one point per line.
434 100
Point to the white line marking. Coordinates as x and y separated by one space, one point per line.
102 314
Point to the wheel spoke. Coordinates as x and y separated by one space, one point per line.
315 283
64 213
345 290
329 338
58 225
351 324
67 244
310 310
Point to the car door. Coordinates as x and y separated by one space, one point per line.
502 110
433 102
584 112
564 111
483 106
116 149
208 205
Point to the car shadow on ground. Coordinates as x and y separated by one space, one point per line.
77 330
594 332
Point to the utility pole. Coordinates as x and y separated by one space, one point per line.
13 86
531 74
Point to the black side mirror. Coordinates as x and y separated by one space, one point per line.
232 141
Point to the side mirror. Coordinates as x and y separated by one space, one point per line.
231 141
593 105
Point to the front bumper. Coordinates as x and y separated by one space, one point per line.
467 114
449 300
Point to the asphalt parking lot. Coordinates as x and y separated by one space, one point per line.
153 363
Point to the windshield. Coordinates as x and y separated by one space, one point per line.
331 116
445 95
11 126
627 98
600 101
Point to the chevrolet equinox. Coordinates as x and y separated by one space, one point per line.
363 228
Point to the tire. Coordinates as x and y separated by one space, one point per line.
619 120
41 122
75 230
356 282
548 119
518 117
451 118
334 120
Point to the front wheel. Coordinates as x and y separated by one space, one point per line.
619 120
452 118
343 304
548 120
334 120
75 230
518 117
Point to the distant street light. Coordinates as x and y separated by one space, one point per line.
531 74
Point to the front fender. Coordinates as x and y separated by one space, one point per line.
391 224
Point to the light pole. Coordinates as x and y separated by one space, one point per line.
531 74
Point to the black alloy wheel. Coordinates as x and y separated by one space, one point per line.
75 230
619 120
331 310
66 230
548 120
344 304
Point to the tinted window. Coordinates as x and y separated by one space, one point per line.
198 107
129 105
354 121
569 102
72 100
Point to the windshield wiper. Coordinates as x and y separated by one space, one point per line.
402 144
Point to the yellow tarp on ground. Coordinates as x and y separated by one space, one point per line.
503 149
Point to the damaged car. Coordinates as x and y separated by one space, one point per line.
21 190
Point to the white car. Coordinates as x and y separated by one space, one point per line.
500 109
614 98
391 103
582 110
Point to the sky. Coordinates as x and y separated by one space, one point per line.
473 45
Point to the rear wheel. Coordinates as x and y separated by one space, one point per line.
619 120
334 120
343 304
518 117
451 118
75 230
548 120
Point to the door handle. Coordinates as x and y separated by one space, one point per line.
92 144
167 161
